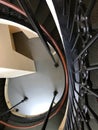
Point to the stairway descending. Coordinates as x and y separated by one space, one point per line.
44 17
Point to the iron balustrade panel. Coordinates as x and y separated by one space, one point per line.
80 38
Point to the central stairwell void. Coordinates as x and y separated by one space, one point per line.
28 97
39 86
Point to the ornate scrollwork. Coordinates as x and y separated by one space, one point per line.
82 22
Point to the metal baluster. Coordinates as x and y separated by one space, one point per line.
68 14
82 115
91 68
64 6
70 118
4 113
75 42
74 116
86 47
90 91
48 113
73 23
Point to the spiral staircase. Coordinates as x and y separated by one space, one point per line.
68 31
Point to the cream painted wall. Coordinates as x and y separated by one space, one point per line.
12 64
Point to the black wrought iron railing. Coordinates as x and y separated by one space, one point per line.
80 39
77 38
